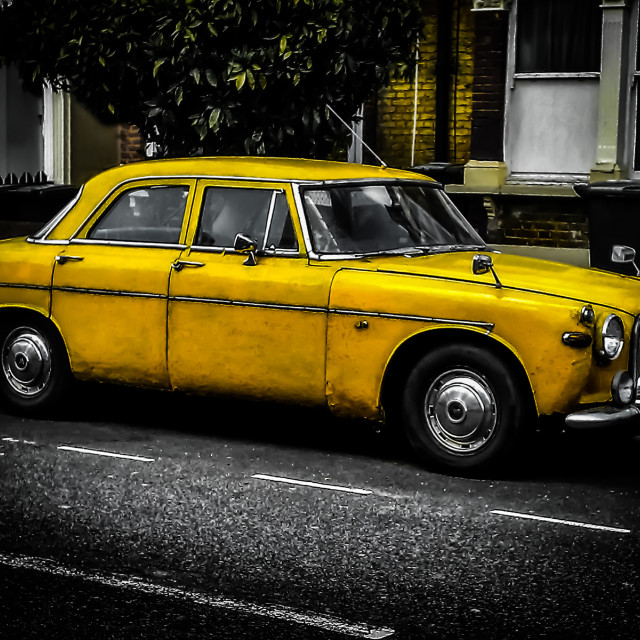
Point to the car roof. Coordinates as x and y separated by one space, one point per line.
246 167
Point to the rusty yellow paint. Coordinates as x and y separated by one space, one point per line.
257 331
25 274
293 328
442 289
111 308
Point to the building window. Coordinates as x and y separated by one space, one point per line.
558 36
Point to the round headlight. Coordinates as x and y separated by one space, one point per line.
611 337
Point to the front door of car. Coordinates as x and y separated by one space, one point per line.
235 328
110 284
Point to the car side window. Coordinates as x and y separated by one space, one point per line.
228 211
281 232
151 214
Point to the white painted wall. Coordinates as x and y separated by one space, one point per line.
21 114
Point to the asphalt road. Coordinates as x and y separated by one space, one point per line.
204 530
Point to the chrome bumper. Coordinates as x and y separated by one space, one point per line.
603 416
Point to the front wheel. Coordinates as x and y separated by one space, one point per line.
463 409
34 368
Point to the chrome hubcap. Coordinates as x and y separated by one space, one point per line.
26 361
460 411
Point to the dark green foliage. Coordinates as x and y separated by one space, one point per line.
215 76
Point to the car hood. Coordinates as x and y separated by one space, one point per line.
529 274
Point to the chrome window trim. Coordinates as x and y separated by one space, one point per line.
126 182
302 219
267 229
60 243
261 252
289 253
41 235
128 243
374 181
297 193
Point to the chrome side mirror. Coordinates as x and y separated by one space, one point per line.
245 244
483 264
620 253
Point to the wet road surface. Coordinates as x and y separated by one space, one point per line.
139 515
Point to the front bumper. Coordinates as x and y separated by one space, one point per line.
604 416
611 415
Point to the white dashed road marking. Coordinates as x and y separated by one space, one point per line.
274 612
17 440
584 525
108 454
315 485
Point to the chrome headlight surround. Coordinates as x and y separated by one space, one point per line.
610 338
623 389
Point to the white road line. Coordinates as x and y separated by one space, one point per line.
572 523
315 485
16 440
109 454
276 612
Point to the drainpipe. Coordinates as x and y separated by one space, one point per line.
443 82
415 104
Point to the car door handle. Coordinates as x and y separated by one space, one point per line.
62 258
178 265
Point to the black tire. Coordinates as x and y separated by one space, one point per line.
34 367
463 410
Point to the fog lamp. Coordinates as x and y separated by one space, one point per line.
610 339
622 388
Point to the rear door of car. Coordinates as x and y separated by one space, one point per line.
110 284
254 330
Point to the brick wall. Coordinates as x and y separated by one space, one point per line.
463 71
131 144
543 222
396 102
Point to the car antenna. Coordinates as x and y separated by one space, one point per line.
359 138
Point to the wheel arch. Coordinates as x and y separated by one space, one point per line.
409 353
10 315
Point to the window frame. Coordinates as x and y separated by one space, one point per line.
81 235
533 75
262 250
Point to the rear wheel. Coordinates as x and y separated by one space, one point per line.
34 368
463 409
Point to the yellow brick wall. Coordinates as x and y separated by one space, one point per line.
462 85
396 102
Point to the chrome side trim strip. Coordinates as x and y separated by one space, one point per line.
488 326
15 285
111 292
241 303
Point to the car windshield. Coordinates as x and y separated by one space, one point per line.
385 218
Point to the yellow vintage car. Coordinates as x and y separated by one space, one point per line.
357 288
